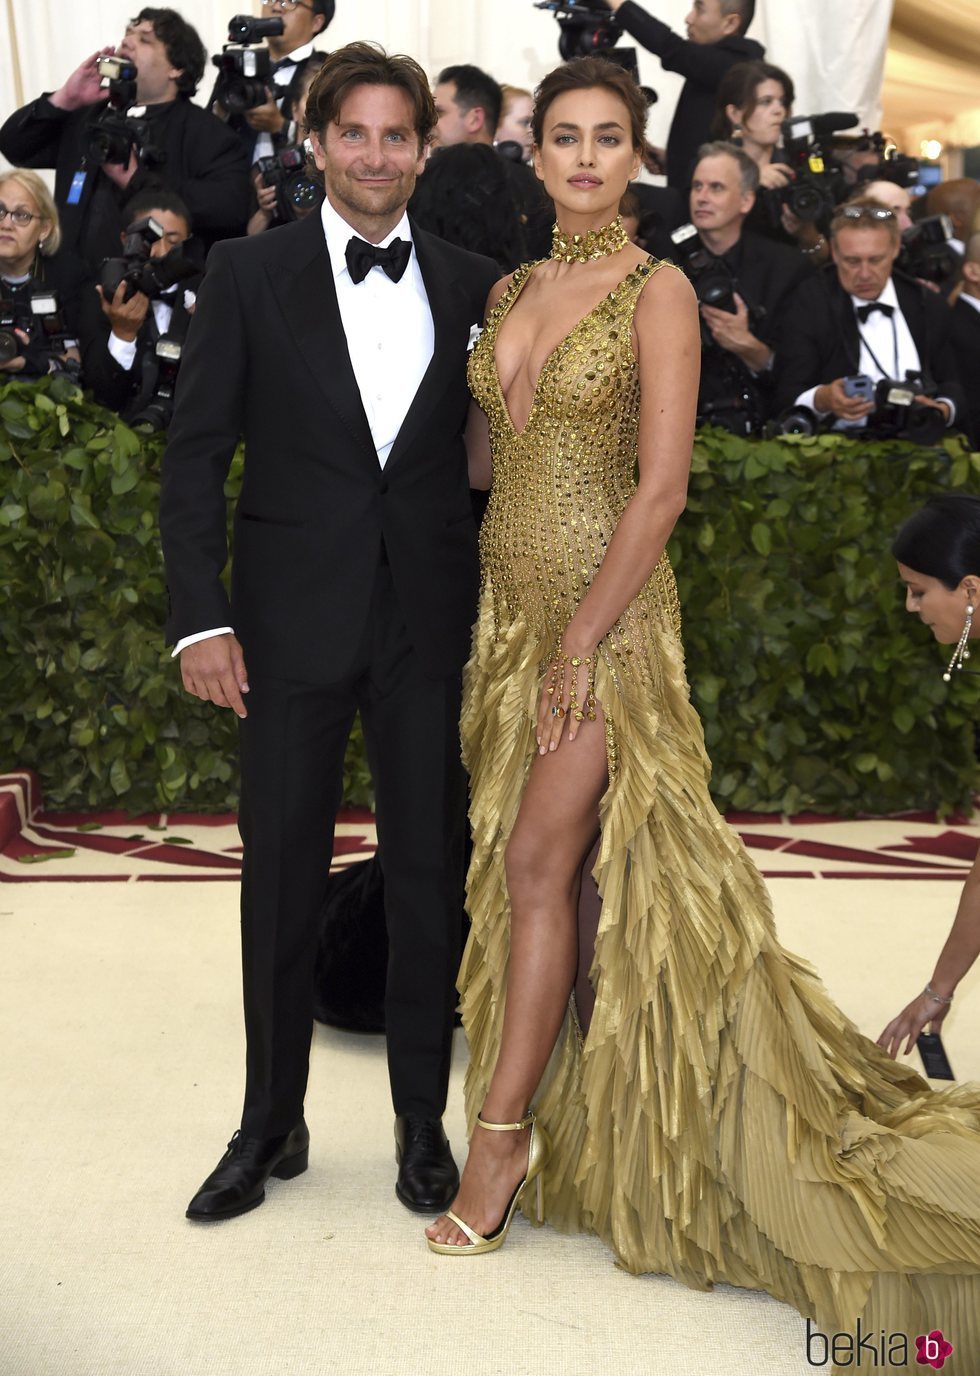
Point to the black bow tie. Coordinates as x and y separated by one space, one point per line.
283 63
362 257
863 312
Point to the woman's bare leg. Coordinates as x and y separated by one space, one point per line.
589 910
555 829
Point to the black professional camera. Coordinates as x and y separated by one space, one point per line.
925 251
39 317
894 166
158 411
711 277
588 27
244 64
818 183
112 134
152 276
296 189
897 414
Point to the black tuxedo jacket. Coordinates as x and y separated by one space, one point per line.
703 65
965 331
266 358
126 392
204 162
819 339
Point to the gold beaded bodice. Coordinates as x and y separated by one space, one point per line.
561 483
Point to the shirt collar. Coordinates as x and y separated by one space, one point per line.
300 54
338 233
888 297
973 301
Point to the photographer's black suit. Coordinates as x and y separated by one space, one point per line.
965 331
353 587
203 162
820 341
702 65
126 391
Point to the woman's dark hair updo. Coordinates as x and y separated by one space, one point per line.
942 539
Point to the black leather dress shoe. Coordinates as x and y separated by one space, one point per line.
427 1176
237 1183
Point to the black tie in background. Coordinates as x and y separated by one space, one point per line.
362 257
284 63
864 311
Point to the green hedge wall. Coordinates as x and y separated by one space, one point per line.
817 690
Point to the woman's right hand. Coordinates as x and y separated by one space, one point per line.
773 175
912 1020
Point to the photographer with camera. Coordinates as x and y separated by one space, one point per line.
40 283
103 153
261 111
741 281
715 42
869 348
286 184
133 331
966 337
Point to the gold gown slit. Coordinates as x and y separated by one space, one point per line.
721 1120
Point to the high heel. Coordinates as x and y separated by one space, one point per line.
538 1151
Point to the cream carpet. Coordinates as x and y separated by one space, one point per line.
120 1083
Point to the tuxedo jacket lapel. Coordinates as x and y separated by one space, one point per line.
305 291
447 306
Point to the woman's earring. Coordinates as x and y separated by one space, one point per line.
962 650
736 136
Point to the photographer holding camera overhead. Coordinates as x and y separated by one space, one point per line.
715 42
124 121
868 348
265 120
135 320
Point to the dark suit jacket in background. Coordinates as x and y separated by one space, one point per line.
703 65
205 164
266 357
820 341
965 334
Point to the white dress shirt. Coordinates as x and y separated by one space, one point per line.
264 147
887 349
390 340
973 301
124 350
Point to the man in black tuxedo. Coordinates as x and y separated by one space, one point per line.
715 42
337 346
119 337
857 318
187 149
966 338
755 276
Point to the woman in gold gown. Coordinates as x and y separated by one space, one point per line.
719 1119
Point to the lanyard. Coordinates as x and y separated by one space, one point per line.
874 357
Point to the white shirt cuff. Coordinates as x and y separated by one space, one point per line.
952 408
807 399
199 635
123 351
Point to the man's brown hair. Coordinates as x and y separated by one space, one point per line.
585 74
367 64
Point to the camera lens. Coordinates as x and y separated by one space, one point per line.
9 346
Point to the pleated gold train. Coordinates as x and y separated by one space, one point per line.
722 1119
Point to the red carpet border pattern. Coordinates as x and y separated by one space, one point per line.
39 846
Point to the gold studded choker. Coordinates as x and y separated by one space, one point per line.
595 243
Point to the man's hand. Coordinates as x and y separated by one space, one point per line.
732 332
937 405
832 397
122 176
125 317
84 86
214 670
267 118
655 160
18 364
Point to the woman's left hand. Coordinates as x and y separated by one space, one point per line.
555 705
910 1022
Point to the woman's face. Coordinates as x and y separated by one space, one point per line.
18 243
586 158
940 608
515 124
771 108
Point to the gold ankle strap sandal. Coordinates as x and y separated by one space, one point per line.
538 1151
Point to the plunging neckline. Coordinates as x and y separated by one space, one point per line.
610 295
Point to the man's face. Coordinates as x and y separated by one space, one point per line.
707 24
155 75
370 155
175 231
853 159
896 198
717 198
864 255
455 125
299 24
